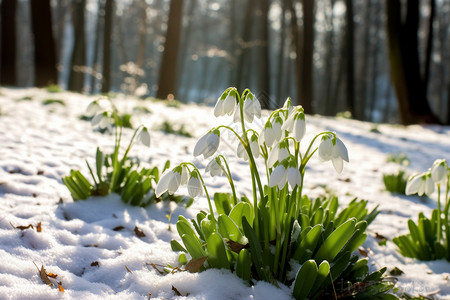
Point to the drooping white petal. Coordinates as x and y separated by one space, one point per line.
261 139
269 136
299 129
283 153
174 183
241 152
273 156
294 177
93 108
439 170
326 150
237 114
96 119
219 108
163 183
214 168
277 176
338 164
341 149
144 137
277 131
228 105
184 175
256 108
212 143
194 187
248 110
254 146
413 184
429 185
201 145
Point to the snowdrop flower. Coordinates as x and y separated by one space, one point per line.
254 146
288 105
332 148
296 123
102 120
214 167
93 108
252 108
194 185
241 152
439 170
225 104
420 184
208 144
237 115
282 175
184 175
169 182
279 152
272 131
144 137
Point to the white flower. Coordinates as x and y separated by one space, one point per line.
332 148
296 123
93 108
272 131
194 185
294 176
241 152
102 120
214 167
288 105
184 175
252 108
279 152
169 182
420 184
144 137
208 144
225 104
237 115
278 177
254 145
439 170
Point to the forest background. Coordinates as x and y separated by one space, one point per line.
373 60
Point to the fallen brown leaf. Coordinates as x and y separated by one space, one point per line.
60 288
128 269
94 264
194 265
139 232
43 275
236 247
22 227
118 228
176 291
39 227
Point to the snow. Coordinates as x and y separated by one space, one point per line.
80 242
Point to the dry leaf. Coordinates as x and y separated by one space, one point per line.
149 295
379 236
176 291
39 227
236 247
128 269
139 232
60 288
154 267
94 264
51 275
363 252
194 265
22 227
118 228
43 275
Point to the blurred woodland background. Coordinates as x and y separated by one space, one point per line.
376 60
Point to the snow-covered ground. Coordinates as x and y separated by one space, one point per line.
81 243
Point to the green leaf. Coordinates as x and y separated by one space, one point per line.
208 227
229 229
336 241
255 248
99 161
243 265
242 209
176 246
223 203
308 244
184 226
322 274
193 246
304 281
217 254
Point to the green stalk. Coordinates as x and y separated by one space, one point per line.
439 229
230 179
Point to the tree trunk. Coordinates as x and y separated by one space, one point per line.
44 44
243 48
429 49
264 65
297 44
167 71
106 76
78 62
350 53
8 75
404 62
308 45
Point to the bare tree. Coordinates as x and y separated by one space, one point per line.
410 86
8 43
167 73
106 74
350 53
78 61
44 43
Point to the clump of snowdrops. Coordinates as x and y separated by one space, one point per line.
121 175
429 239
279 235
